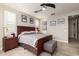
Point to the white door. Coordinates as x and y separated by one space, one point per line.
1 27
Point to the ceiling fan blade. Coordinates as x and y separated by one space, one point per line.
49 5
37 11
52 13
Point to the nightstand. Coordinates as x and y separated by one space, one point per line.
9 43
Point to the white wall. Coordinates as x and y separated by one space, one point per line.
59 32
19 20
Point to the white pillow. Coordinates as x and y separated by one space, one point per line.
32 31
25 32
28 32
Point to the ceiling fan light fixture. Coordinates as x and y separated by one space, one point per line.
43 8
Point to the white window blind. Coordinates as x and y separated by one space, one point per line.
9 22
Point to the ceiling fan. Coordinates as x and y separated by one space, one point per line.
44 7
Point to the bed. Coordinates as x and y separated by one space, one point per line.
38 47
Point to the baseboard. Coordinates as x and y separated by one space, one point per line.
0 48
62 41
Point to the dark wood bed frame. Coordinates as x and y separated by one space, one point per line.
40 42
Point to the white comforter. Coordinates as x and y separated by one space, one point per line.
30 39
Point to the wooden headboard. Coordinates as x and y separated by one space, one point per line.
24 28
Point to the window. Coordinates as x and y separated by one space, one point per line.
37 23
9 22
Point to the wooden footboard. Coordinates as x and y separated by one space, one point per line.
41 42
28 47
39 46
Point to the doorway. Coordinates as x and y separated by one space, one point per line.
73 27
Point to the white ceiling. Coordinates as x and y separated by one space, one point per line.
29 8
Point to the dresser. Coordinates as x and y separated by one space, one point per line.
9 43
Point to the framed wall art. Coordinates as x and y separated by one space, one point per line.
31 21
53 23
61 21
44 25
24 18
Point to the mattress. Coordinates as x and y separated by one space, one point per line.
30 39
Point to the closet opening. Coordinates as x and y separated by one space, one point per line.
73 28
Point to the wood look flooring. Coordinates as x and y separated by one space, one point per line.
70 49
63 49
